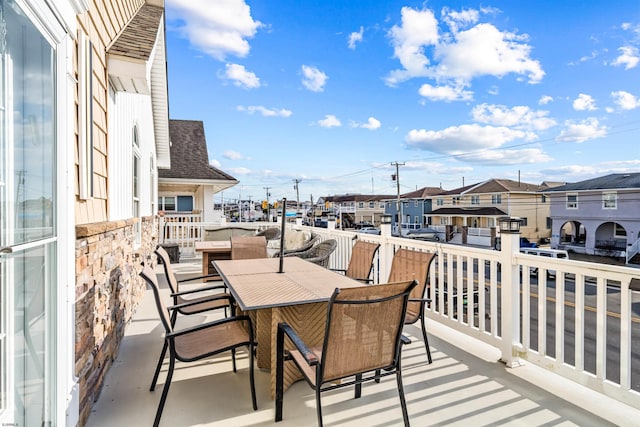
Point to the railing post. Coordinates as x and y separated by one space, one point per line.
510 291
385 253
161 230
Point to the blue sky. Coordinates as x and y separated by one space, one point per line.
331 93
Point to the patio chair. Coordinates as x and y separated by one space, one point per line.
319 254
414 265
376 313
244 247
361 262
271 233
200 341
302 248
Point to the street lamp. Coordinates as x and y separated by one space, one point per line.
509 225
385 219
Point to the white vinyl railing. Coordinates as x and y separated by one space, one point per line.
573 318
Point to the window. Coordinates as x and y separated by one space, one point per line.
609 200
548 222
523 222
167 203
416 204
496 199
381 205
137 228
439 201
455 200
417 219
619 231
475 200
543 198
491 222
572 201
372 205
361 205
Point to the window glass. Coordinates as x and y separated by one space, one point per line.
609 200
572 201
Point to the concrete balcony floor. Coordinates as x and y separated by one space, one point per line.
466 385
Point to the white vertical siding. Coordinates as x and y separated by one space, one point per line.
126 111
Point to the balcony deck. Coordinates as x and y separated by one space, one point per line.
465 385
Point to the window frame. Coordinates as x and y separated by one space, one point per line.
572 204
606 200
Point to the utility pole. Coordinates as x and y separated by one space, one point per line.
268 205
398 204
296 182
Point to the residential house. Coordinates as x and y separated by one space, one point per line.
351 209
84 125
415 208
479 206
597 216
188 186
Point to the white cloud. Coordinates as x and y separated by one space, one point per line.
240 171
313 79
445 93
329 121
266 112
458 56
582 131
629 57
584 102
507 157
519 116
241 77
462 139
625 100
372 124
218 28
545 99
233 155
215 163
355 38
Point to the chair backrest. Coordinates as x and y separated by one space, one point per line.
168 271
270 233
364 325
361 261
412 265
243 247
320 253
150 277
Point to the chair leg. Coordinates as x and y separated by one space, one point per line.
165 392
251 378
233 359
318 405
377 376
358 392
424 336
279 373
158 366
403 402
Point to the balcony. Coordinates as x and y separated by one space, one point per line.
466 385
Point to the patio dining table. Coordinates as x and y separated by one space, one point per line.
298 296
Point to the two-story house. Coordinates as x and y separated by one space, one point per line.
480 205
596 216
351 209
415 208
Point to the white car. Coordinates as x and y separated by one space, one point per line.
369 230
425 233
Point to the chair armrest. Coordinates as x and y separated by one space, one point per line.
193 291
206 276
308 355
211 324
200 301
339 270
404 339
419 299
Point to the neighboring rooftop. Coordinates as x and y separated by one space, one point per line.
614 181
139 36
189 155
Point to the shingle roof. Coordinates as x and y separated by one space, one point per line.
356 198
422 193
614 181
139 36
189 156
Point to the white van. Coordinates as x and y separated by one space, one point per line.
549 253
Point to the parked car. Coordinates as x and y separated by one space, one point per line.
369 230
524 243
425 233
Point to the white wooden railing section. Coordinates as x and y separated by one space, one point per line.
483 293
633 250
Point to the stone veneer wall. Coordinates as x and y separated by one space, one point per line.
108 291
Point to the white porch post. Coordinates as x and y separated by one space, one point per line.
510 291
386 251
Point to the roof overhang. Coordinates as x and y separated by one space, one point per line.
147 75
192 185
